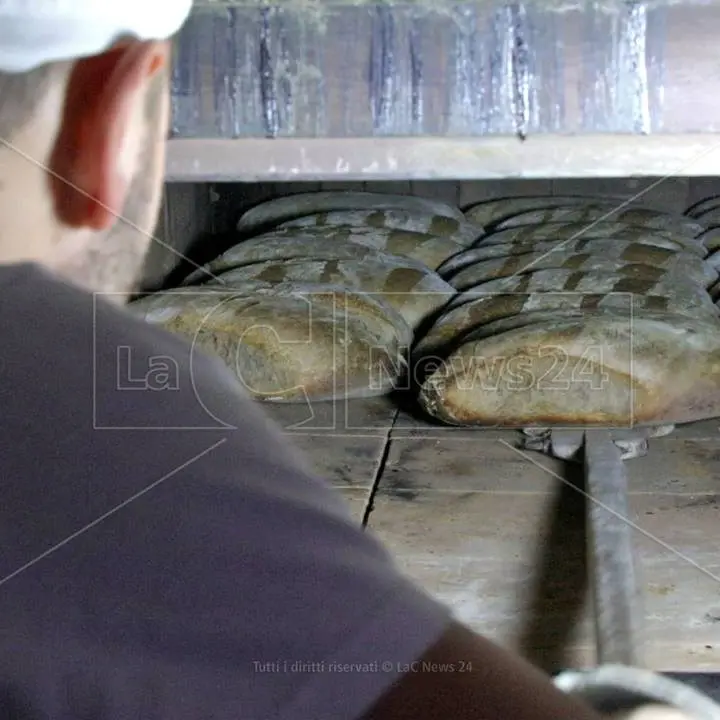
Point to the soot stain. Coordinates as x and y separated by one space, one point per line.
396 485
342 474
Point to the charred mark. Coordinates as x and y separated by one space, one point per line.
268 94
520 64
396 485
382 68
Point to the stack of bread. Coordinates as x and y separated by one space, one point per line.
575 311
321 295
707 213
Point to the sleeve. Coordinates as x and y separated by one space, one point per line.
167 555
305 611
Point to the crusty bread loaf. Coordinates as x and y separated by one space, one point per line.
708 215
410 288
331 243
648 263
640 217
686 293
631 251
596 369
704 206
270 214
460 231
489 212
548 317
470 311
574 311
585 235
316 345
268 247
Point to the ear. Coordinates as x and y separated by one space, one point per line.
101 102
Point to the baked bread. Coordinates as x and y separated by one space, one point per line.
308 345
459 231
274 212
595 369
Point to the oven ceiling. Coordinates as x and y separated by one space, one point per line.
474 80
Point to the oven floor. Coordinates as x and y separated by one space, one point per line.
497 532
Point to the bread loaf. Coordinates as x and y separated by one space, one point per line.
548 317
280 210
569 255
410 288
710 218
687 294
331 244
319 344
490 212
706 205
647 266
640 217
595 369
584 234
471 311
575 312
459 231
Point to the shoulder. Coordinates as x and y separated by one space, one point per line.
123 372
176 527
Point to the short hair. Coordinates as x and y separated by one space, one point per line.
20 95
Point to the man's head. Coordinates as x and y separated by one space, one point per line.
82 155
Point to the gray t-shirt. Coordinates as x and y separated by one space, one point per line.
164 554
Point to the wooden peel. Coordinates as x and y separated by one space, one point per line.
617 596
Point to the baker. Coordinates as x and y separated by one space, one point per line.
164 553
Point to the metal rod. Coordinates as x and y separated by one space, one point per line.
611 557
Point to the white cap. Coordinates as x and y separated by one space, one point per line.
35 32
